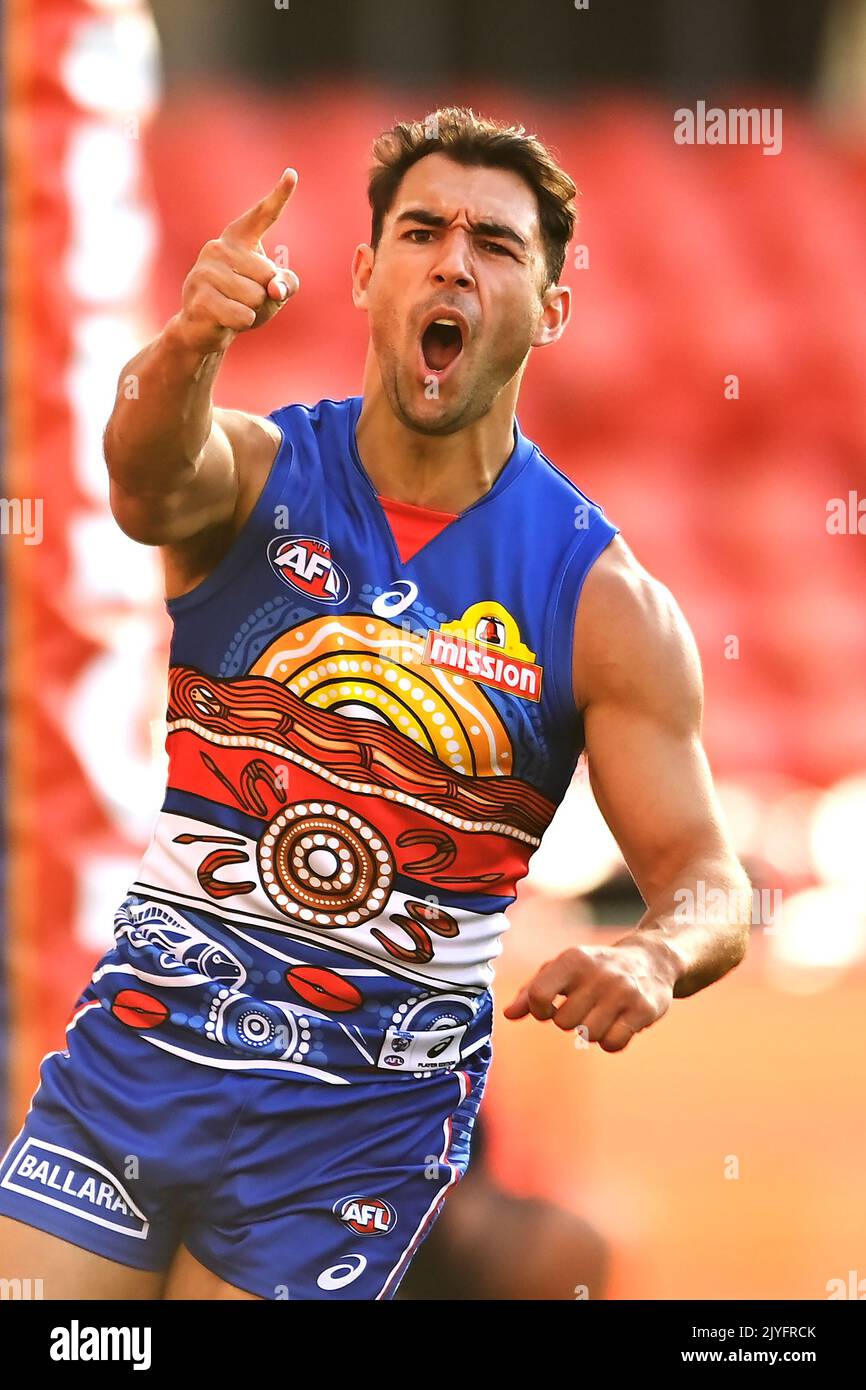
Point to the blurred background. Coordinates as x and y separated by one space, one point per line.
710 393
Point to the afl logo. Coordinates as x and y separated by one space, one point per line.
366 1216
305 563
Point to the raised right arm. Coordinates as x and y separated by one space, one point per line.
176 462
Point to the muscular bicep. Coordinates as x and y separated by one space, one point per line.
638 680
207 496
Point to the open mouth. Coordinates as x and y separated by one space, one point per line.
441 344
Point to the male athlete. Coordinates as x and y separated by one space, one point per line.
396 627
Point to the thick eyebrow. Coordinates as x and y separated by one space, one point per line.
433 219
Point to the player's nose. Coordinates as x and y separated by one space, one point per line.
453 264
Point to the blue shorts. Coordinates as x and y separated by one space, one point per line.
284 1188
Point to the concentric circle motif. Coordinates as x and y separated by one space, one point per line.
322 863
255 1026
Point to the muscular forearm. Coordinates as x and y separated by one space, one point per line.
162 414
155 441
698 926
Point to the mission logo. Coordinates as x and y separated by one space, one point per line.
485 644
305 563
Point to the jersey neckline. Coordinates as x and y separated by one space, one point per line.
412 507
513 467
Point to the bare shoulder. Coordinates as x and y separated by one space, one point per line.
632 644
254 441
245 429
246 446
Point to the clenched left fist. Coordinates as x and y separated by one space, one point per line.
612 991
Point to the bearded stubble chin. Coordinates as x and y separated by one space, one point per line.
460 404
443 416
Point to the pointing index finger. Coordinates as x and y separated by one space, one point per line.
251 226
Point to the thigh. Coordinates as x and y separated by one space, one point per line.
34 1264
116 1143
189 1279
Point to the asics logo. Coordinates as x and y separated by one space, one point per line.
392 602
339 1275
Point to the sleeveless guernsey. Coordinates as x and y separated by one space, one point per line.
366 743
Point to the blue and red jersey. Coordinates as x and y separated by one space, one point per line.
370 725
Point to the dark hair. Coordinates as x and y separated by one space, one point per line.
471 139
